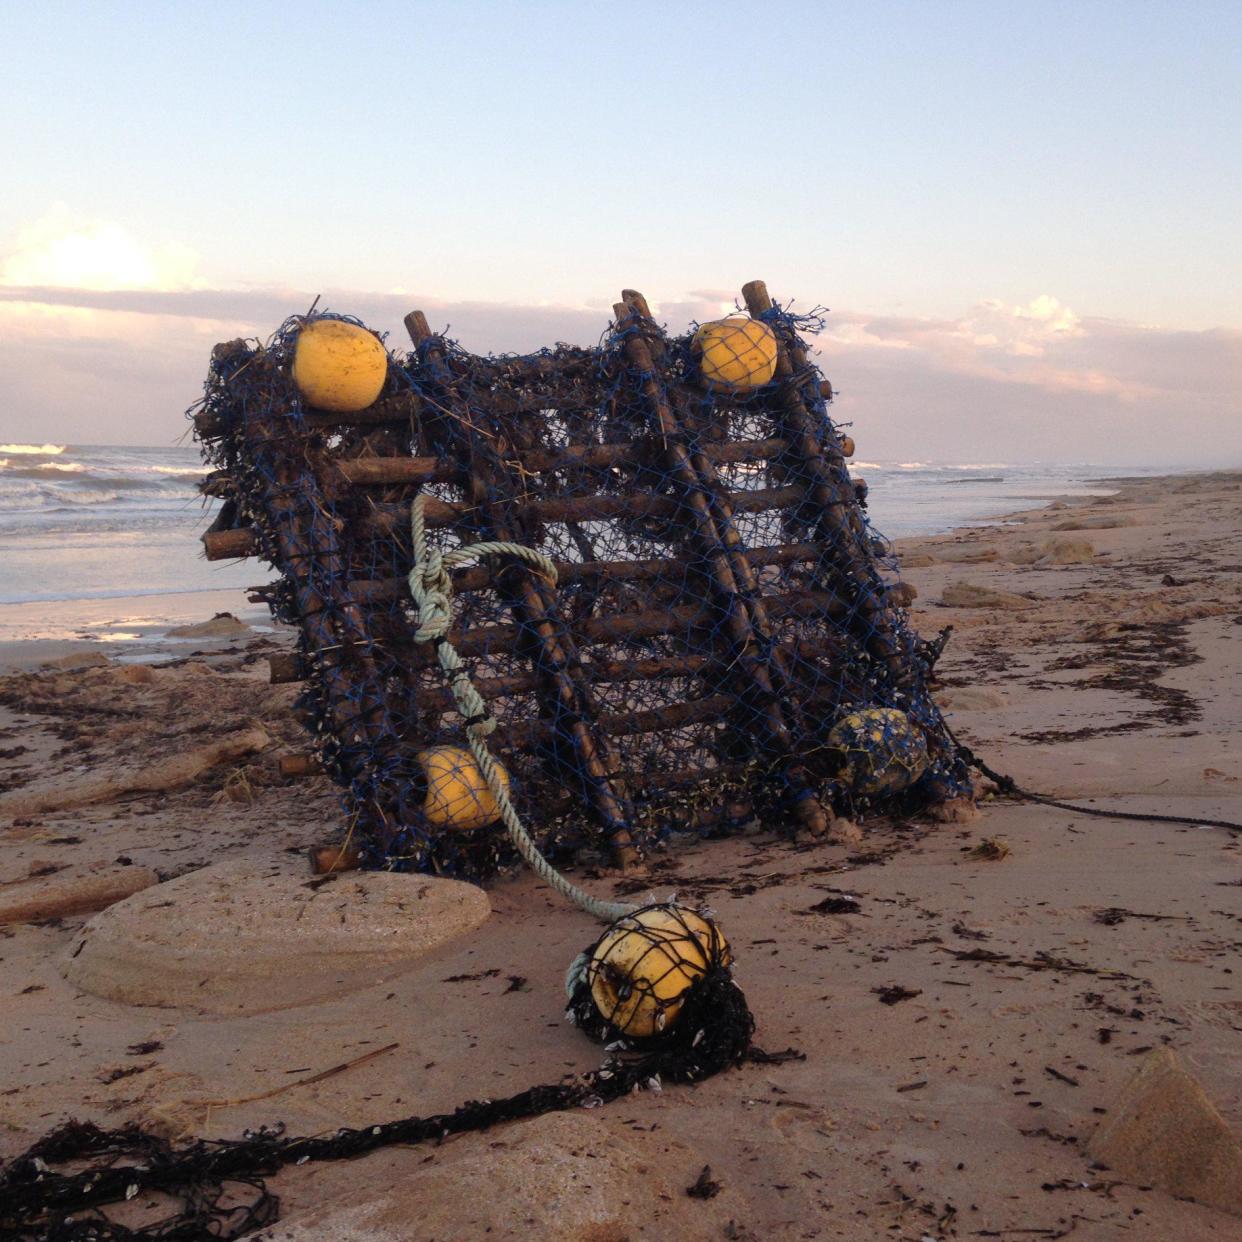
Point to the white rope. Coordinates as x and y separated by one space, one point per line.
432 589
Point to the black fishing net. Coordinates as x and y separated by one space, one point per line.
722 605
57 1190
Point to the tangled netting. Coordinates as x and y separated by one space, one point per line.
218 1188
721 602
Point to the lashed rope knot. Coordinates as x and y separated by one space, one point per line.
431 587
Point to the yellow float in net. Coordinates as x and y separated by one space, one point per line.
457 794
646 962
339 366
884 751
737 353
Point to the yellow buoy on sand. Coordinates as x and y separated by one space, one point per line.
457 795
736 354
646 962
339 366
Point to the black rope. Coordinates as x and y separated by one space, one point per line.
1008 785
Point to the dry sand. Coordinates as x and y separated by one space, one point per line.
1096 656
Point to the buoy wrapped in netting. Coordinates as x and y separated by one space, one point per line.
339 366
884 752
659 980
735 354
458 796
656 986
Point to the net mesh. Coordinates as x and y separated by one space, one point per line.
722 604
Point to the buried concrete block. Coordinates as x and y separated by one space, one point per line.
249 936
1165 1132
564 1176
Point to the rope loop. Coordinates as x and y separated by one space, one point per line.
431 586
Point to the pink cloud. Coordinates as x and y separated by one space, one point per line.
1033 382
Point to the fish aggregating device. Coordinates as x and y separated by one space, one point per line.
637 581
702 630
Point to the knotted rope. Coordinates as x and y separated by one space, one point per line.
432 589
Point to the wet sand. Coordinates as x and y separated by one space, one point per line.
1095 656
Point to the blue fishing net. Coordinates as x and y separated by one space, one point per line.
723 609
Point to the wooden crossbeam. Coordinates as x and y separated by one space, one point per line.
392 520
387 470
288 667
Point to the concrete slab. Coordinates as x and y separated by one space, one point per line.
247 937
1165 1132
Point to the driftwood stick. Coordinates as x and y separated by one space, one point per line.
297 1082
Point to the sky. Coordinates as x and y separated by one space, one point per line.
1023 218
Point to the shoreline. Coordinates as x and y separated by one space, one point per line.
129 626
1040 955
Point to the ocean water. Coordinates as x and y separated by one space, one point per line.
81 522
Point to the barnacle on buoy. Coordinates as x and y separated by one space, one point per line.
458 797
736 354
645 964
339 366
884 752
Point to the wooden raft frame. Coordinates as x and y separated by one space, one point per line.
471 433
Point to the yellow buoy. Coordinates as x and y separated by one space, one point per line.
736 353
338 366
457 795
646 962
884 751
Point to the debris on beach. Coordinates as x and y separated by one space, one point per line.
680 620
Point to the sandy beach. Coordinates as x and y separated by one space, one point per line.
966 1022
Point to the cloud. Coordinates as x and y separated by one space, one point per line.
103 339
67 251
1037 382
